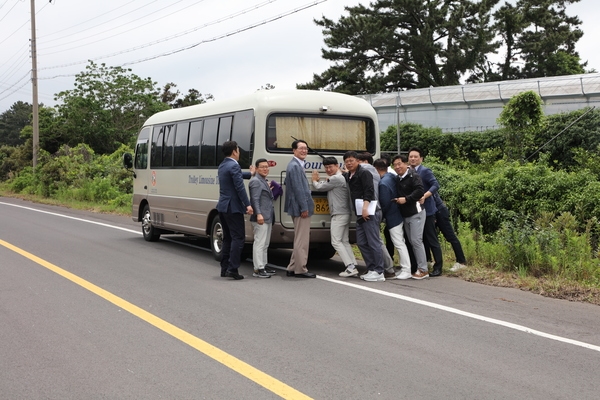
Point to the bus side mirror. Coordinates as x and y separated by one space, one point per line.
127 161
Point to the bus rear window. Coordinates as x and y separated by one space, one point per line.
322 133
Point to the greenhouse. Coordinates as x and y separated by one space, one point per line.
476 106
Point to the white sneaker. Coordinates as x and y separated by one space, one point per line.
404 275
349 272
457 266
373 276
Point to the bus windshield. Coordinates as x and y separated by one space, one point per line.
323 133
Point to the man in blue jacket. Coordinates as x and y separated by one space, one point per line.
388 191
431 186
233 204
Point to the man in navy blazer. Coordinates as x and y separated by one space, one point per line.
300 206
431 186
233 204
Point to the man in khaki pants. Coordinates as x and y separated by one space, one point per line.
300 206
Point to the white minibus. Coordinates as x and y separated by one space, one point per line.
176 187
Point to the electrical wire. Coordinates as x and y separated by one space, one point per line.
231 33
104 23
175 36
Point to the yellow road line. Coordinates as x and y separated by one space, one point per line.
237 365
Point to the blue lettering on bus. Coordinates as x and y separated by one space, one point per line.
313 165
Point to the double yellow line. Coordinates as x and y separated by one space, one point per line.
237 365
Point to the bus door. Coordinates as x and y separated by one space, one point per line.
143 177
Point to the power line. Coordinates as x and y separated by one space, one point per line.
249 27
8 12
15 84
231 33
104 23
91 19
217 21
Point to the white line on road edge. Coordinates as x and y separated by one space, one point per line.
74 218
466 314
381 292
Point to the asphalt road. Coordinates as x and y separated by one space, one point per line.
89 310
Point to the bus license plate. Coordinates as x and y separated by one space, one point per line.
321 205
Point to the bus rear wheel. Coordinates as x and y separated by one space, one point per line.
216 238
151 234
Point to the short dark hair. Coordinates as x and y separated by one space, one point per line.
418 150
366 157
260 160
295 143
381 164
228 147
349 154
387 157
330 161
400 157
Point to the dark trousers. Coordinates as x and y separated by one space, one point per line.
445 226
369 242
234 236
432 243
389 245
411 255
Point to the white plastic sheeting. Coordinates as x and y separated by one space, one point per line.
477 106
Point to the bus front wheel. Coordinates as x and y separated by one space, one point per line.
151 234
216 238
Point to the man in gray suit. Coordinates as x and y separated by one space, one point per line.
233 204
300 206
261 199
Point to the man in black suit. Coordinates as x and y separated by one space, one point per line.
233 203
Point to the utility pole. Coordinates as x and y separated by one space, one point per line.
34 88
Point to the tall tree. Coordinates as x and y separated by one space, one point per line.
171 96
403 44
106 108
13 121
547 43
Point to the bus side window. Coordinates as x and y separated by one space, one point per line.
193 149
169 141
156 152
271 134
141 149
141 155
208 149
242 133
224 136
181 141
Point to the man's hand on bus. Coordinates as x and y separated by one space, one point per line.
249 210
252 169
304 214
315 175
260 219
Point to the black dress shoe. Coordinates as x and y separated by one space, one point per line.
305 275
290 273
223 274
235 275
436 272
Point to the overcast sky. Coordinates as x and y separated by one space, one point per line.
222 47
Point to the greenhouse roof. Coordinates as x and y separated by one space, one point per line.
559 86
